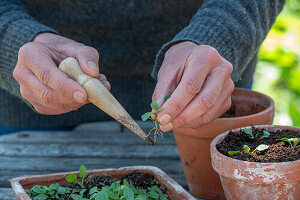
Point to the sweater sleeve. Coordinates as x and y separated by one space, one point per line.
16 29
236 28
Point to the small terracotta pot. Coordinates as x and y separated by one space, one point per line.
255 180
174 190
194 144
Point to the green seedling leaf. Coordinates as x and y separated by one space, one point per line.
83 171
154 105
248 132
93 190
233 152
159 109
112 195
146 116
37 189
101 196
61 190
54 186
82 192
76 197
246 148
128 194
71 178
167 97
40 197
125 182
289 140
265 135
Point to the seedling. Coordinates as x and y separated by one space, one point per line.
246 148
265 135
155 111
292 141
117 190
249 132
72 178
261 147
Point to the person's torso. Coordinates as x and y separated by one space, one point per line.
127 33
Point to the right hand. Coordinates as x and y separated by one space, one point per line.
48 89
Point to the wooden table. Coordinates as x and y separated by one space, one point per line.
96 145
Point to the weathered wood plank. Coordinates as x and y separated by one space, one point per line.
6 194
90 150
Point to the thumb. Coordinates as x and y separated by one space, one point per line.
88 58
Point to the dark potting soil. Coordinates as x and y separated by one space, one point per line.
278 151
239 111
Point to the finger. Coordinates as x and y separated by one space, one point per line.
217 86
104 81
211 115
48 73
88 59
219 109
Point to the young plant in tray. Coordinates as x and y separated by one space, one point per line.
122 190
248 131
154 112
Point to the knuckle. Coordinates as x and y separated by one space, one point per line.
205 119
90 50
207 101
231 86
192 86
227 68
45 75
46 95
176 107
180 121
17 74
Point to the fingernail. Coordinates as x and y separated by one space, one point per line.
79 97
164 119
167 127
93 66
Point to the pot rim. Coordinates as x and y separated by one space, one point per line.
271 172
161 176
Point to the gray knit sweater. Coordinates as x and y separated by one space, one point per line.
128 34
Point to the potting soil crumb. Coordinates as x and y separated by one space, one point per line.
278 151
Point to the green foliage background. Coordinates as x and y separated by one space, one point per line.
278 70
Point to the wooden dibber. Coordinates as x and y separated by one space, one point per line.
101 97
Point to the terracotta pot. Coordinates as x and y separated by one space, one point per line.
255 180
194 144
174 190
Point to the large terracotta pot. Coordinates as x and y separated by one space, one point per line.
174 190
194 144
256 180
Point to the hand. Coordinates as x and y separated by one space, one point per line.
199 80
42 83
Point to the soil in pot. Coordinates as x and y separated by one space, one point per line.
135 186
276 149
240 111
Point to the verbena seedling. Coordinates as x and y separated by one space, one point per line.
292 141
248 132
117 190
155 111
72 178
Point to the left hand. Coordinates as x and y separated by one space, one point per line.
199 80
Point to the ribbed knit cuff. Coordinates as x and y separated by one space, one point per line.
208 31
15 35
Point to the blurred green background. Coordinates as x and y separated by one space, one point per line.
278 70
